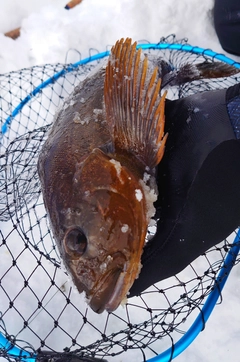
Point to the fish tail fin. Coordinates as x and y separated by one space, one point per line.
205 70
134 108
216 69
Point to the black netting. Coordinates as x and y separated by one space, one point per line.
40 309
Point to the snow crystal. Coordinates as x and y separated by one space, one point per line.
97 114
146 177
77 119
152 222
103 267
109 258
72 102
196 110
118 168
124 301
97 111
124 228
57 112
138 194
150 197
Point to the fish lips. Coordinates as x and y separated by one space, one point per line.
111 289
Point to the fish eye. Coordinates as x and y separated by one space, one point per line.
75 242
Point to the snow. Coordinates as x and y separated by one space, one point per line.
117 165
124 228
51 34
138 194
77 119
150 196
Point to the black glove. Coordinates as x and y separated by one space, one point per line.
198 181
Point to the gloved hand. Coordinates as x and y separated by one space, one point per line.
198 181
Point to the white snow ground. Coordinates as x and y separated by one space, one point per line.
48 31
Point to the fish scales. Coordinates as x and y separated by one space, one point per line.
69 142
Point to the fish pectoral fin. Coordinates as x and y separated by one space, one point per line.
134 107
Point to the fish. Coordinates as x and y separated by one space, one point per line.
189 72
97 173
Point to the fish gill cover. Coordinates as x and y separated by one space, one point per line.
41 309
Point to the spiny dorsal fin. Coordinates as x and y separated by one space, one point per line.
134 108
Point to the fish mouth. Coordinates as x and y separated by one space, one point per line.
111 289
109 295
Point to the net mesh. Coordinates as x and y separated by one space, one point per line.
40 309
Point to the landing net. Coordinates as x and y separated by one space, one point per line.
42 316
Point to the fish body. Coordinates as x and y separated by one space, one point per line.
97 168
97 174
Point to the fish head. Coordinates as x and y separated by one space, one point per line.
104 230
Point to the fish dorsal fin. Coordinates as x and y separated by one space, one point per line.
134 108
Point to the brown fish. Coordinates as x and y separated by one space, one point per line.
97 174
